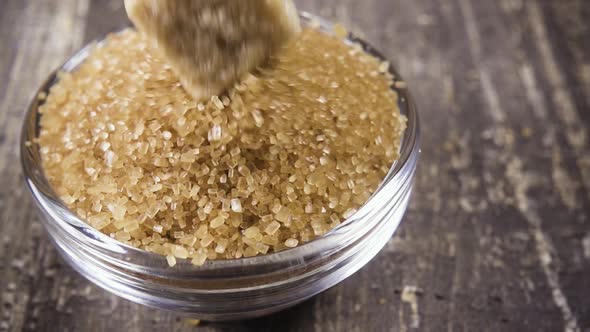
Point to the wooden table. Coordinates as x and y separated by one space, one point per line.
497 237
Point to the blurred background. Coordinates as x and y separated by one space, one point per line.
497 236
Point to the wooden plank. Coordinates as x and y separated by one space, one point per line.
558 69
496 237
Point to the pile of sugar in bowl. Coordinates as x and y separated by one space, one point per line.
282 157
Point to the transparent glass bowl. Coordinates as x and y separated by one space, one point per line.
224 289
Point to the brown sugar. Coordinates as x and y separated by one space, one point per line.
285 156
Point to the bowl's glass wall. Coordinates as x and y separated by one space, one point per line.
218 289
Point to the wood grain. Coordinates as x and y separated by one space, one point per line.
497 237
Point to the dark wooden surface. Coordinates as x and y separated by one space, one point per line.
497 237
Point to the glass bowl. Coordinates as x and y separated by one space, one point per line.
225 289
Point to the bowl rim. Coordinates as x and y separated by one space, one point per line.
39 185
